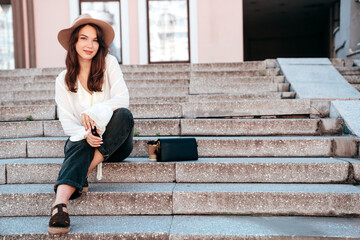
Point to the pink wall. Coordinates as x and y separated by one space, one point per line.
50 17
134 32
220 31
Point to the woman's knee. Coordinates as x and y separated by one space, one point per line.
123 117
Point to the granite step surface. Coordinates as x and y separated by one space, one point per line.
186 227
282 146
237 73
239 88
236 80
188 198
204 170
190 127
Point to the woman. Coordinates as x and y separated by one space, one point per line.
92 100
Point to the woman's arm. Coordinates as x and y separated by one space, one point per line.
71 125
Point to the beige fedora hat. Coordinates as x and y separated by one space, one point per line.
64 35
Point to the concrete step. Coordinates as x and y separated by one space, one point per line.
22 113
291 146
349 70
204 170
356 86
271 199
186 198
27 95
176 98
27 86
237 80
233 66
104 199
236 73
191 127
185 67
158 91
187 227
128 76
158 83
247 108
239 88
353 79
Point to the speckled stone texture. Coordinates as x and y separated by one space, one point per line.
234 97
265 147
261 127
46 147
137 170
229 66
246 108
158 91
274 199
156 99
237 88
21 113
156 68
53 129
21 129
262 170
12 148
156 75
29 170
131 83
34 95
156 110
162 127
263 228
2 173
236 73
236 80
103 199
90 228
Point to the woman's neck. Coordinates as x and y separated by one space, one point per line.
85 66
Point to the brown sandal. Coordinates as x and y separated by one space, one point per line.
59 222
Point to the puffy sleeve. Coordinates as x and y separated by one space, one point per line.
70 123
102 112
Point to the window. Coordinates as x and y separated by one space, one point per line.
7 59
168 31
108 11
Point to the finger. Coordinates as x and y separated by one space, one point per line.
83 119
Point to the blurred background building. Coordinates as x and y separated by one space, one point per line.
195 31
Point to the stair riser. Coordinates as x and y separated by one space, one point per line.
265 147
241 88
231 74
156 91
21 113
248 203
236 80
137 203
166 203
190 172
189 127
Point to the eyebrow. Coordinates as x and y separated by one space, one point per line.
86 36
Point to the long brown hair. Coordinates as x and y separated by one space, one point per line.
96 76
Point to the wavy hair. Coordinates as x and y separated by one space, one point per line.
96 76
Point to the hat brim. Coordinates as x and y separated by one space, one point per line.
108 31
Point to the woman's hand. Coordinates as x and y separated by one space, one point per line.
87 122
94 141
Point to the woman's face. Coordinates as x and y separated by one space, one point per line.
87 44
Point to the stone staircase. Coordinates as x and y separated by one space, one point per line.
349 71
268 169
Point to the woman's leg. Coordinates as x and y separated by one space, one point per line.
98 158
118 137
63 194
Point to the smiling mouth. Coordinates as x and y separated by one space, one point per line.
88 52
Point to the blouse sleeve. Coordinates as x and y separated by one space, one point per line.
102 112
71 125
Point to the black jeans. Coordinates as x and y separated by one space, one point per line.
117 145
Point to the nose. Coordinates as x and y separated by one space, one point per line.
90 43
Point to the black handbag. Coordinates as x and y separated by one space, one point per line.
176 149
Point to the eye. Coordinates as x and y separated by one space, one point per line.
83 38
95 40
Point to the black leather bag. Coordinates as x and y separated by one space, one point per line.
176 149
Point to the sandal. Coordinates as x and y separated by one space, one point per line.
86 186
59 222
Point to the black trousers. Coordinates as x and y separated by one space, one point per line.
117 145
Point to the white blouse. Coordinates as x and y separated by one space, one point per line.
99 106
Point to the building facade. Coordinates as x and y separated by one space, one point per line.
177 31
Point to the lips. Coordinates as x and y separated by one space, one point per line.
88 52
